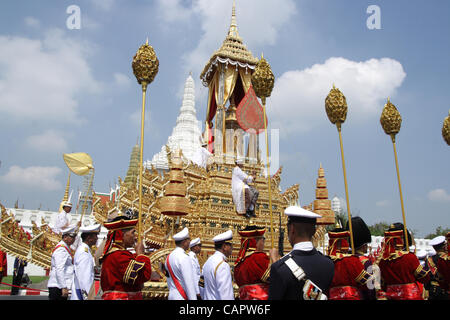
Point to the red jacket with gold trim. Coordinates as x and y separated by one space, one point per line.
443 268
124 271
251 275
253 269
403 269
349 272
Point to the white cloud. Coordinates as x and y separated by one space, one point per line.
104 5
263 19
32 22
173 11
439 195
49 141
259 23
42 79
33 177
122 80
382 203
298 98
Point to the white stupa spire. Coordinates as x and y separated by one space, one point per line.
186 133
336 205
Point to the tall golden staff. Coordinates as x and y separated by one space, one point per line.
336 108
446 129
391 121
263 81
145 67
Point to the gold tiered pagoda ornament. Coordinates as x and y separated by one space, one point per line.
322 205
174 202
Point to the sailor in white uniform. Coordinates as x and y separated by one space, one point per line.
217 271
84 263
244 196
195 247
62 219
61 272
202 155
181 279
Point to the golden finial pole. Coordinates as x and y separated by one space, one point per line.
145 67
336 108
391 122
263 81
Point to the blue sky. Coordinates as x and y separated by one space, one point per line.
65 90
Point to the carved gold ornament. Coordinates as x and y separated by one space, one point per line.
336 106
145 64
391 120
263 79
446 129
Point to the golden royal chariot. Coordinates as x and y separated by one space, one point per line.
188 195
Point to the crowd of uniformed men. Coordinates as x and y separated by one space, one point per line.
302 274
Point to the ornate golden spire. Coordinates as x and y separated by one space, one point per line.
233 31
233 48
133 168
66 193
322 205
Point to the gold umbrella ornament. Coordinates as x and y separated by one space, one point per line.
263 81
336 109
391 121
145 67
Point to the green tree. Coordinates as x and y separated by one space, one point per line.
438 232
378 229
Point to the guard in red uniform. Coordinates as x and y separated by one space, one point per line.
361 239
443 267
3 265
402 274
350 277
252 266
123 273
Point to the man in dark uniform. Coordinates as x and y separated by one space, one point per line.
19 268
304 273
443 266
436 286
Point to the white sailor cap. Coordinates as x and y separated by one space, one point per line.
182 235
421 254
437 241
412 248
431 252
66 204
299 212
228 235
239 160
69 230
91 229
194 242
